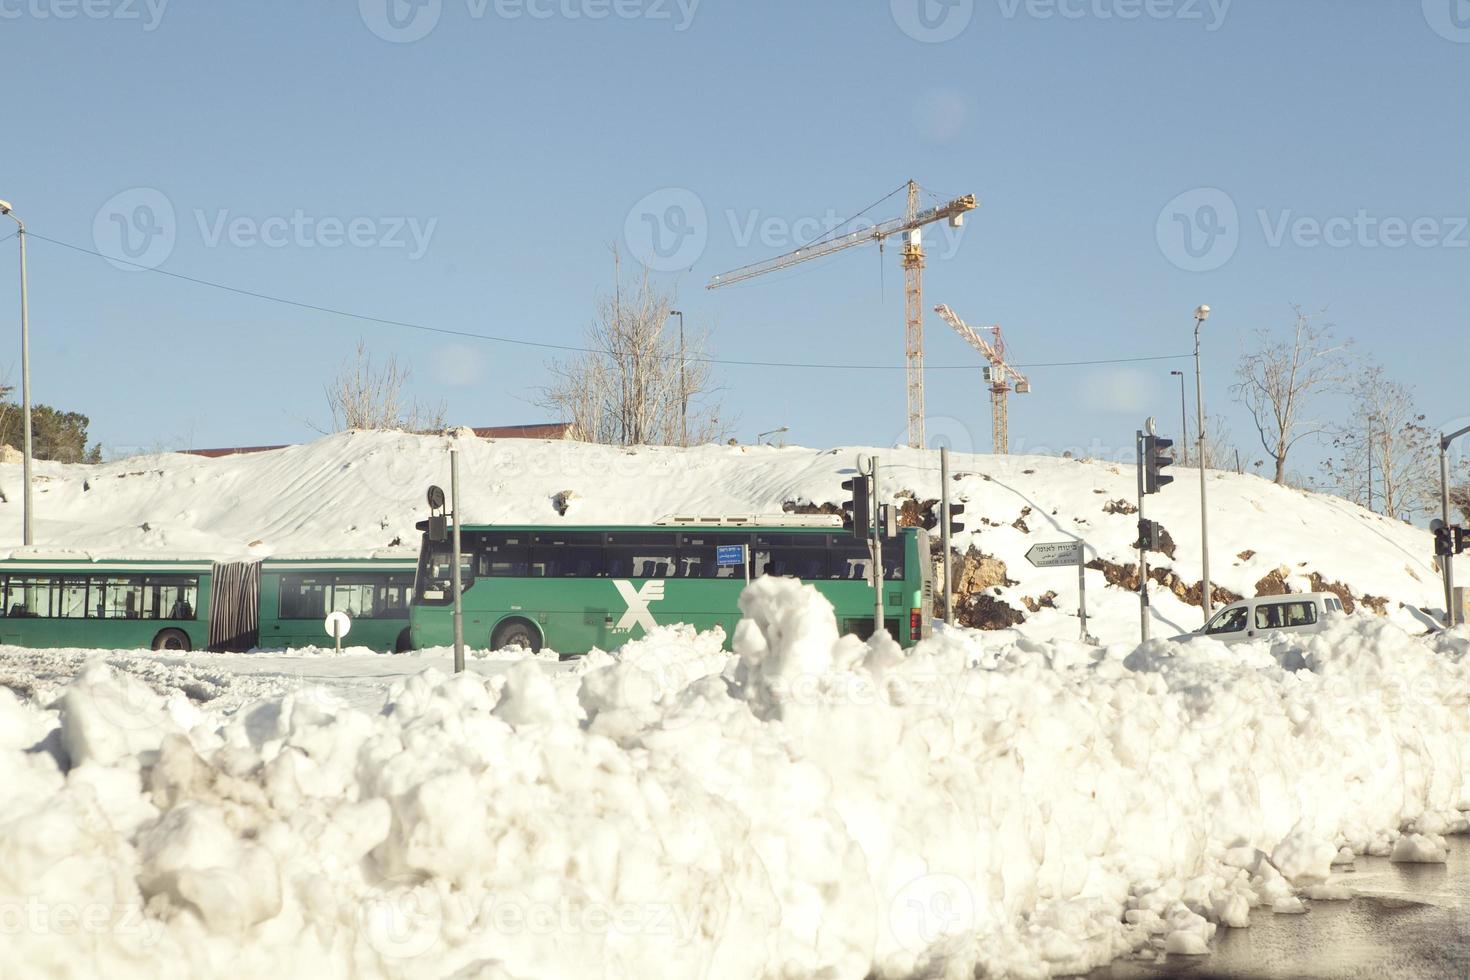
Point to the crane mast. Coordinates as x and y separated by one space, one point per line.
999 375
909 226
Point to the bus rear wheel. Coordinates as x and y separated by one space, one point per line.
404 643
171 640
516 633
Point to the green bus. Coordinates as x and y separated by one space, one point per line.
571 589
125 605
203 605
296 595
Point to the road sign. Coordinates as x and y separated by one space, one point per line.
1058 555
730 554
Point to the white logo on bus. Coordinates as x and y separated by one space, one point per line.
638 613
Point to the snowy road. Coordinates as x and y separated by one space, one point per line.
1410 921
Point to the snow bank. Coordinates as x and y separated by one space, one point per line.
810 805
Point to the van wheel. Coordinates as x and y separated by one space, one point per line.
172 640
515 633
404 643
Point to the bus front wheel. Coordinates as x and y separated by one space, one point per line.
171 640
516 633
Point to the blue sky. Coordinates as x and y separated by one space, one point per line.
474 178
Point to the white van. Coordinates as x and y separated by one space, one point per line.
1268 616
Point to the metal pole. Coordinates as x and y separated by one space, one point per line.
1370 463
27 518
1444 512
683 389
877 533
458 590
1082 596
1204 504
1143 610
944 534
1183 421
1142 551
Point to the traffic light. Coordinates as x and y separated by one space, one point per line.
1460 538
955 510
859 509
1154 462
1444 541
1148 535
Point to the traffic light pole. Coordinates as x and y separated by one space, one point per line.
944 534
458 590
877 532
1448 561
1143 610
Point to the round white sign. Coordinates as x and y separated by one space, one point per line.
338 624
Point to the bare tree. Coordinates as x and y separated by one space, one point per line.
1401 450
365 396
1280 379
632 384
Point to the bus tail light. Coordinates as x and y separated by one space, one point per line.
916 624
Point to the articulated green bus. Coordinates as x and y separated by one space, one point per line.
124 605
296 595
202 605
575 588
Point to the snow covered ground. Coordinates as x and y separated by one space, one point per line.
360 493
810 806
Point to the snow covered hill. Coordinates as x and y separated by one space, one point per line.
361 493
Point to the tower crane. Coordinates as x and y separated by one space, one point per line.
913 267
999 375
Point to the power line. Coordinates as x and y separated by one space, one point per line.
572 348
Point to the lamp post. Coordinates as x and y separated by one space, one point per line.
683 389
1183 420
1371 419
1200 316
774 432
25 379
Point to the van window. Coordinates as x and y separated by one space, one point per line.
1229 621
1283 615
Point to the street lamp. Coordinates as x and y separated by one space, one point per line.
1183 420
774 432
1200 316
683 390
1372 417
25 378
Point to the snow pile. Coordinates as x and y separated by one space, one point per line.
811 805
360 493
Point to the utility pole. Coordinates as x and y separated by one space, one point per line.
455 575
28 514
1200 316
1143 611
1448 561
683 385
1371 419
944 535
